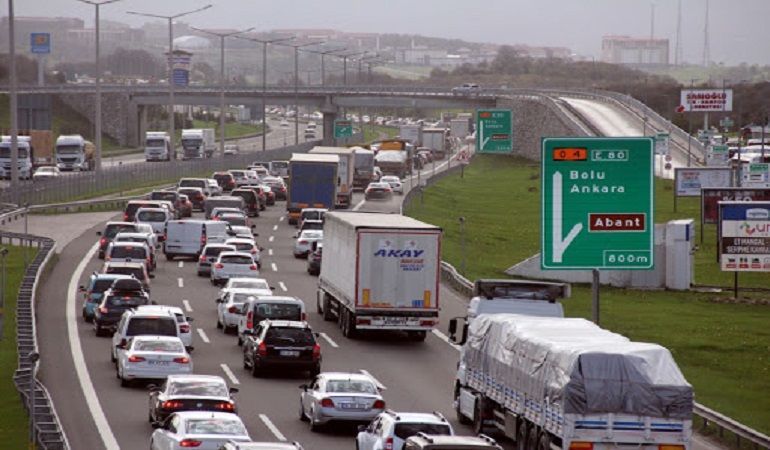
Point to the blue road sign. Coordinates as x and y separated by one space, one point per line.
40 43
181 77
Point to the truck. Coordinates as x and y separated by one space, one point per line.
198 143
459 128
74 153
25 157
363 167
566 383
344 173
312 183
533 298
157 146
380 272
411 133
394 157
436 140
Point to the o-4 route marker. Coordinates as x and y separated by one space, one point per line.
597 203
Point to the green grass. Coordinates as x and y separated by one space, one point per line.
232 129
13 416
376 132
722 347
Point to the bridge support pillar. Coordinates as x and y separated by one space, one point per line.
141 129
329 117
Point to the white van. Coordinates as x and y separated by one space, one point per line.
155 217
186 237
260 308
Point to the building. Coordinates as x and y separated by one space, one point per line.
635 51
24 26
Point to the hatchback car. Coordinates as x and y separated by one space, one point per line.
183 322
394 182
209 255
230 150
156 217
339 397
423 441
225 180
233 218
127 294
46 173
94 290
202 429
246 245
185 206
277 186
233 264
137 322
145 239
190 393
230 306
390 429
152 358
305 242
137 269
379 190
130 252
281 344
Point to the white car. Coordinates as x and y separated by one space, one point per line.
246 245
141 238
154 358
155 217
394 182
230 306
340 397
209 256
231 150
304 242
204 430
147 229
185 329
245 283
284 124
233 264
46 173
242 232
390 429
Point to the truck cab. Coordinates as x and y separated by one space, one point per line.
74 153
157 146
192 144
25 157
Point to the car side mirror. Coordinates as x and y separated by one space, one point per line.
452 328
152 275
218 300
255 234
296 235
81 288
272 288
362 428
153 388
303 387
234 390
98 233
253 226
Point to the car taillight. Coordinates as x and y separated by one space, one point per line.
233 309
103 241
184 328
219 266
108 258
316 351
253 251
125 217
262 349
103 310
303 242
182 360
389 443
188 443
378 404
253 267
225 406
134 359
327 403
304 316
249 320
202 258
203 239
171 404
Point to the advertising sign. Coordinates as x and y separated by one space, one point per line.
756 175
688 181
40 43
706 100
710 198
744 236
597 203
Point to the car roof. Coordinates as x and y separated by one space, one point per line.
264 445
287 323
312 233
238 240
195 377
133 234
110 276
278 299
140 312
187 415
414 417
235 254
145 337
172 309
124 264
442 439
255 291
161 209
128 244
346 376
117 222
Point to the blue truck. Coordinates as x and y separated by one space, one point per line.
313 183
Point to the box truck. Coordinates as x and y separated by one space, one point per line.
345 171
312 183
411 133
363 167
436 140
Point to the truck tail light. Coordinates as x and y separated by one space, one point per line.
580 445
427 323
250 320
363 321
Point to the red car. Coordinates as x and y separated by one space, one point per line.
225 180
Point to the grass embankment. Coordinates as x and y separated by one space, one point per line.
377 132
233 130
722 347
13 416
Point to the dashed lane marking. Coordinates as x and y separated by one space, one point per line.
273 429
180 282
271 238
270 251
181 264
329 340
359 205
275 227
229 373
203 336
187 306
283 286
280 219
274 267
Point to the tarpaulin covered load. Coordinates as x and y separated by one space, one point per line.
574 363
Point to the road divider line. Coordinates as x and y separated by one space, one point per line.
270 251
275 227
181 264
359 205
203 336
229 374
280 219
445 338
376 381
283 286
78 359
187 306
273 429
328 339
274 267
180 282
271 238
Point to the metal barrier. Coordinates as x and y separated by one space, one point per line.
47 433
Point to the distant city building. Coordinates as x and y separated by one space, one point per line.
543 52
57 26
635 51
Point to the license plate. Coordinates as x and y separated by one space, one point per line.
157 363
394 320
352 406
293 353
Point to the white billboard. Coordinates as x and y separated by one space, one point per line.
705 100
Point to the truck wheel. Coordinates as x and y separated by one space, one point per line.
478 422
349 325
460 416
545 441
327 310
532 437
521 436
318 308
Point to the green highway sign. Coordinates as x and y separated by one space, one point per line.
494 131
343 128
597 203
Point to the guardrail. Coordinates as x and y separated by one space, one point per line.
48 433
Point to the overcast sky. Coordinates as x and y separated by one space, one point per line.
737 27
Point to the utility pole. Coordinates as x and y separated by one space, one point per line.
706 44
678 48
296 84
14 101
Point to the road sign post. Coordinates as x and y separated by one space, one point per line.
494 131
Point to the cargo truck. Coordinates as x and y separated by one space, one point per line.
394 157
380 272
198 143
74 153
459 128
363 167
312 183
558 383
157 146
411 133
345 171
436 140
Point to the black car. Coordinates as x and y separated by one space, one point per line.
314 259
109 233
124 294
281 344
190 393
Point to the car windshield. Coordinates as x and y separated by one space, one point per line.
311 234
154 326
151 216
236 259
159 346
215 426
128 252
249 284
292 336
351 386
202 388
404 430
278 311
127 300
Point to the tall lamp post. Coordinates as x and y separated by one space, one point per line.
345 65
98 83
170 19
363 60
3 254
14 99
323 61
222 78
296 84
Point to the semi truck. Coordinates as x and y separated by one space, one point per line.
394 157
345 172
74 153
312 183
380 272
459 128
363 167
25 157
198 143
157 146
564 383
411 133
436 140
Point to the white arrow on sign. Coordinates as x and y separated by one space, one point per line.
481 135
560 245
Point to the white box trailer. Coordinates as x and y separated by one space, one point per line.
380 272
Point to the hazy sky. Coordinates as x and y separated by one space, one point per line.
737 27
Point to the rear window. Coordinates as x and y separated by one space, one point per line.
234 220
154 326
237 260
170 196
159 346
252 284
289 336
244 246
215 426
223 177
201 388
247 196
127 300
313 226
277 311
151 216
132 207
193 183
111 230
404 430
135 271
100 286
128 252
215 251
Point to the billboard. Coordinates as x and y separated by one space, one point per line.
744 236
689 181
710 198
705 100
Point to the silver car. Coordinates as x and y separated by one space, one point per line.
233 264
153 357
209 256
304 242
336 396
394 182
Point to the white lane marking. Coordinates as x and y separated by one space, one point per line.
203 336
280 219
229 374
376 381
180 282
181 264
270 251
283 286
187 306
328 339
275 227
274 267
273 429
445 338
359 205
271 238
76 349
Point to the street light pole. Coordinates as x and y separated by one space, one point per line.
323 61
296 85
170 19
13 100
345 66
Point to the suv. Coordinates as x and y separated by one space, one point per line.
209 255
423 441
110 230
202 183
466 89
391 429
137 269
196 195
258 306
94 291
140 322
124 294
311 214
185 330
281 343
130 252
170 196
